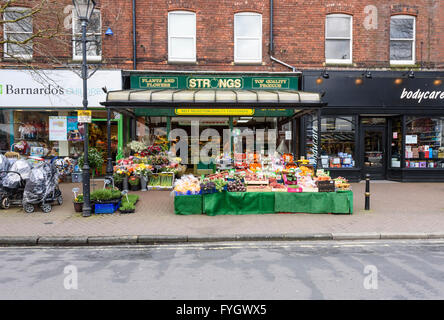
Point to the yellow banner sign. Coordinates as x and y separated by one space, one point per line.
214 112
84 116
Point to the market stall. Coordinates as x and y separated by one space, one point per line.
278 187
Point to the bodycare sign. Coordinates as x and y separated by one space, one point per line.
380 91
419 95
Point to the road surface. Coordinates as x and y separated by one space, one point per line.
257 270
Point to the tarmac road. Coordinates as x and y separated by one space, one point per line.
409 269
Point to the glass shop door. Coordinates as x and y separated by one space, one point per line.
374 152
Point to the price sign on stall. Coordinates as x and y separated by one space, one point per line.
84 116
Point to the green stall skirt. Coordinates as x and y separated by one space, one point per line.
186 205
314 202
238 203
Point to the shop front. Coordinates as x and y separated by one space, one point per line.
38 116
242 103
386 124
237 135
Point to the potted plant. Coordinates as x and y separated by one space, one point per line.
143 171
106 200
78 203
118 180
127 207
95 160
106 196
137 146
134 183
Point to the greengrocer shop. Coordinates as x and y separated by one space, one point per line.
244 103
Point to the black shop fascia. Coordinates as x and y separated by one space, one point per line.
384 123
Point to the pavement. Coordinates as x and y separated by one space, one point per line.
398 210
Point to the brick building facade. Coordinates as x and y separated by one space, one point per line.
298 33
374 62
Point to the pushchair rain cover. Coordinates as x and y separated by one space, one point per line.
12 179
41 184
4 166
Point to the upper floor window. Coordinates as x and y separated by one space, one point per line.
402 39
248 37
93 37
182 36
338 38
18 33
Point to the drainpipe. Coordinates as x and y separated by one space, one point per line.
134 37
271 41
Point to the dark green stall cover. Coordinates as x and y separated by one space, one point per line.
314 202
186 205
238 203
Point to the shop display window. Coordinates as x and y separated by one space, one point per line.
54 133
262 143
424 147
5 128
337 141
31 134
396 146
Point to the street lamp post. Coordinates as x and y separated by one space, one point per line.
84 10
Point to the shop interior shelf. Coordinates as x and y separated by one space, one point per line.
434 159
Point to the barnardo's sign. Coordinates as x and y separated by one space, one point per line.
54 88
424 90
233 82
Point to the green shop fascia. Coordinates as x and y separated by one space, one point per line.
235 100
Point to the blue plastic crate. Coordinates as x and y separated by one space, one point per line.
106 207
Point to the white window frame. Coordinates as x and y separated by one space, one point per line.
404 62
190 36
350 38
5 45
79 57
236 37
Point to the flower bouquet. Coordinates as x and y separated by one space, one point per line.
134 183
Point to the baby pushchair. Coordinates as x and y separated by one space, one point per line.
4 166
42 188
13 181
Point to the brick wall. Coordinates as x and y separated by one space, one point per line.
298 33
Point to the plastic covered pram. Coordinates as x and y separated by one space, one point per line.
17 174
42 188
4 166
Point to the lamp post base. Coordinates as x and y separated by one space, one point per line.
86 211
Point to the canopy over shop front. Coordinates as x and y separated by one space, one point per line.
169 98
299 101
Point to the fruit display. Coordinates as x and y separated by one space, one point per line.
264 178
236 185
290 179
255 179
277 187
342 184
291 166
187 185
220 184
208 187
306 170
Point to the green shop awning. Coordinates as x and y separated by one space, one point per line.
169 98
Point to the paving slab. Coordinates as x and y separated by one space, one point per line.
396 208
